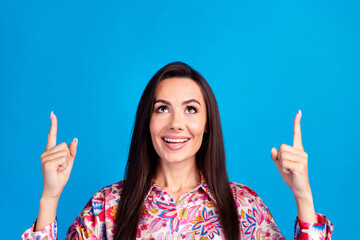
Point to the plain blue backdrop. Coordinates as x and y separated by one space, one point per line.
89 62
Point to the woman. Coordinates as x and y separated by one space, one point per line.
176 184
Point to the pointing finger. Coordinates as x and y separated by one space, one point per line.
51 142
297 141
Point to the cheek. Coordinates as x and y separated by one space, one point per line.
197 128
154 133
155 129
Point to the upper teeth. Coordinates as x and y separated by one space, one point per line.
175 140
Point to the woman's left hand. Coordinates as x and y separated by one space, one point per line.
292 163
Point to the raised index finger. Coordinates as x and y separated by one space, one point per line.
51 142
297 141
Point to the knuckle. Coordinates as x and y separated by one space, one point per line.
303 161
282 165
283 147
63 144
283 155
47 165
63 153
45 158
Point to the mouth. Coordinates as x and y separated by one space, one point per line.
175 143
175 140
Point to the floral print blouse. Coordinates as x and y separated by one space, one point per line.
193 216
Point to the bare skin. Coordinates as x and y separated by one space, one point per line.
177 179
292 163
57 162
179 113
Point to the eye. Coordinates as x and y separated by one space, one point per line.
162 109
191 109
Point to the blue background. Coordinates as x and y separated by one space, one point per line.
89 62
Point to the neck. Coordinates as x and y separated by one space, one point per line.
176 177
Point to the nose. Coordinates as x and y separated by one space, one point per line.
177 121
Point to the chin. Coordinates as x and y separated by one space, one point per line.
175 159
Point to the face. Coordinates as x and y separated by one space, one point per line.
178 120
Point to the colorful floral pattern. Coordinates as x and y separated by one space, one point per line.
193 216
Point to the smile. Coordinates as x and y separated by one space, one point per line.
176 140
175 143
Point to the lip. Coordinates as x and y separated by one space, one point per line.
175 146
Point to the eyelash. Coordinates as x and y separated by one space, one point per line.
193 108
160 109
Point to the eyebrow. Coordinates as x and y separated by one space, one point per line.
184 103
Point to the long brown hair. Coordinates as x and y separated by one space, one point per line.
142 160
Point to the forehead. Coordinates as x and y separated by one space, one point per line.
179 88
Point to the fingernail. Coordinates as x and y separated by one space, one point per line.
51 114
300 113
76 140
272 149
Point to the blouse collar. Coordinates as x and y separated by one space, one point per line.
203 184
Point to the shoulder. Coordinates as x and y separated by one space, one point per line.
242 191
99 211
253 213
247 199
108 195
112 189
244 196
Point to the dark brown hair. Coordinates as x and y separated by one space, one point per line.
142 160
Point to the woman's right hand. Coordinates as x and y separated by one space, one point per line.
57 162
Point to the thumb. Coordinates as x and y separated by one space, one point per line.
73 147
274 155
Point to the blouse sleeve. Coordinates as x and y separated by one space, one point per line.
89 224
321 230
256 221
49 232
